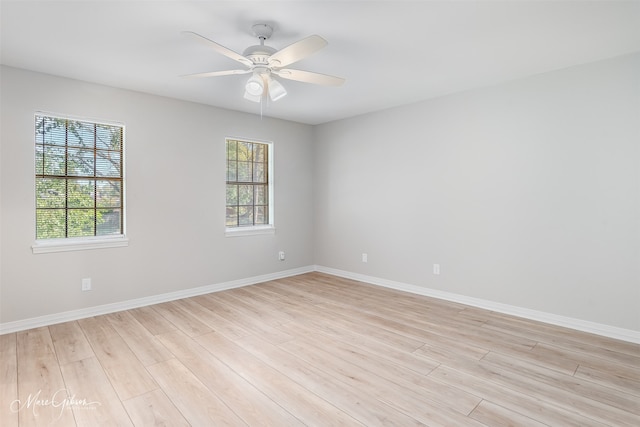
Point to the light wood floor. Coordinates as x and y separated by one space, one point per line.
315 350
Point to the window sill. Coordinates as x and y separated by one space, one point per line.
249 231
66 245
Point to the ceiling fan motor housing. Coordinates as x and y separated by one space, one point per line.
259 54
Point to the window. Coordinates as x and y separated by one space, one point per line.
249 205
79 179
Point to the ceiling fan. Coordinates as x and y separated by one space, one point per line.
264 62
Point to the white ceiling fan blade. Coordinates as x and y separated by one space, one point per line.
297 51
219 48
309 77
217 73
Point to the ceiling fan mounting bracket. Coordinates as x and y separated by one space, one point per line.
262 31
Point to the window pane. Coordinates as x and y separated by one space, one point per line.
50 223
54 160
108 163
261 215
80 162
53 131
80 134
109 194
259 173
232 172
40 126
245 195
260 197
232 216
244 172
232 146
80 193
245 215
108 137
259 151
244 151
232 194
81 222
39 159
50 193
109 221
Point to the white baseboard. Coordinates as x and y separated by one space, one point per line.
553 319
52 319
568 322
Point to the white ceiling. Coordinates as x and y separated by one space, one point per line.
390 52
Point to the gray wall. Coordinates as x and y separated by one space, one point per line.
175 172
526 193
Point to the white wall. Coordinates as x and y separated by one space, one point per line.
175 189
526 194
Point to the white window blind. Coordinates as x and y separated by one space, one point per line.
79 178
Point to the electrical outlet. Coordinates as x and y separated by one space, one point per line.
86 284
436 269
281 255
365 258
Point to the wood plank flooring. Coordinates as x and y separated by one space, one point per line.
315 350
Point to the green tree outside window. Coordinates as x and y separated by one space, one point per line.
79 178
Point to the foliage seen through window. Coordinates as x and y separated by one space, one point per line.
247 183
79 179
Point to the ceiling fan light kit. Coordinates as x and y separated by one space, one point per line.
254 85
276 90
264 62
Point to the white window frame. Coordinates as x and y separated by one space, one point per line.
41 246
256 229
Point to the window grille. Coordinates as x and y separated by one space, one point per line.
247 183
79 178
